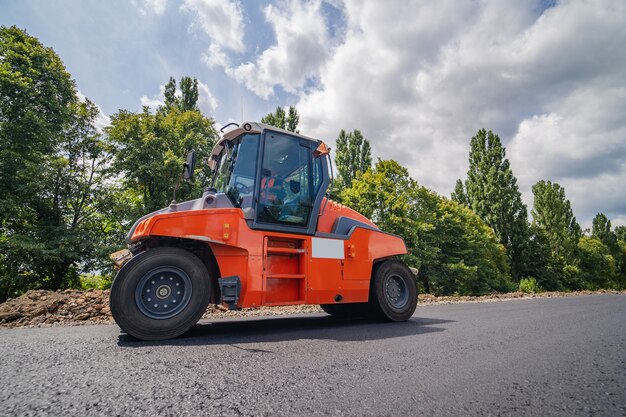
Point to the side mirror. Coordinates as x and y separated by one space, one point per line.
190 164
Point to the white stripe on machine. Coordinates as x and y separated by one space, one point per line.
327 248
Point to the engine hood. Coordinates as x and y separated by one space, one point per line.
209 200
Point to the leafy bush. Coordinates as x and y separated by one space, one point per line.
95 282
529 285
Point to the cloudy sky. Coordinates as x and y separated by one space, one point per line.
418 78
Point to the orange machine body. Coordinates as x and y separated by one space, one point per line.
278 268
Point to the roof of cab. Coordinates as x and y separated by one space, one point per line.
251 127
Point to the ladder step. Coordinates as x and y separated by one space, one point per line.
288 251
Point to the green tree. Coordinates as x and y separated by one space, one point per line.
292 120
171 100
542 266
71 232
188 94
455 252
187 99
601 229
383 195
470 260
150 150
552 214
36 102
620 233
493 194
288 121
353 157
555 225
597 265
37 105
459 194
621 259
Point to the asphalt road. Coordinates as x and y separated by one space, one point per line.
562 356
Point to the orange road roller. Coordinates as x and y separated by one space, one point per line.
264 233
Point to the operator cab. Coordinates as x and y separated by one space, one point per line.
278 178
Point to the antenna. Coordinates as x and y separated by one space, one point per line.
242 108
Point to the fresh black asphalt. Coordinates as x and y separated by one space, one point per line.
539 357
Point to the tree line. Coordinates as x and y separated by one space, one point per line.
480 240
69 192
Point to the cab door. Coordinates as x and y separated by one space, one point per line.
288 194
287 206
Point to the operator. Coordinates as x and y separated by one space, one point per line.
292 210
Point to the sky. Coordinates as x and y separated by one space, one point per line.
418 78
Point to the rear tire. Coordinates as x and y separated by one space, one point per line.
160 294
393 292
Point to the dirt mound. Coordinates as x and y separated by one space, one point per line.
48 307
71 307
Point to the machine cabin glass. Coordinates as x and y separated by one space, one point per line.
236 170
288 186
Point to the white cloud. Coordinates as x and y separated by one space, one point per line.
156 100
619 220
102 120
206 100
150 6
215 57
153 102
582 146
420 80
221 20
302 47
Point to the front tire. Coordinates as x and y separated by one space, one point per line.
160 294
393 291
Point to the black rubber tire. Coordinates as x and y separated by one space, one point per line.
347 311
129 316
392 273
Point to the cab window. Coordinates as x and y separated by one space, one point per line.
286 186
236 170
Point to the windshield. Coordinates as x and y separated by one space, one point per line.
236 169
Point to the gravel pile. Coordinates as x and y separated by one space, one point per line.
41 308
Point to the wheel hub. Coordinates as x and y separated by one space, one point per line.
396 291
163 292
393 289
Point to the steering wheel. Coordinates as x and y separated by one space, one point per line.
242 188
